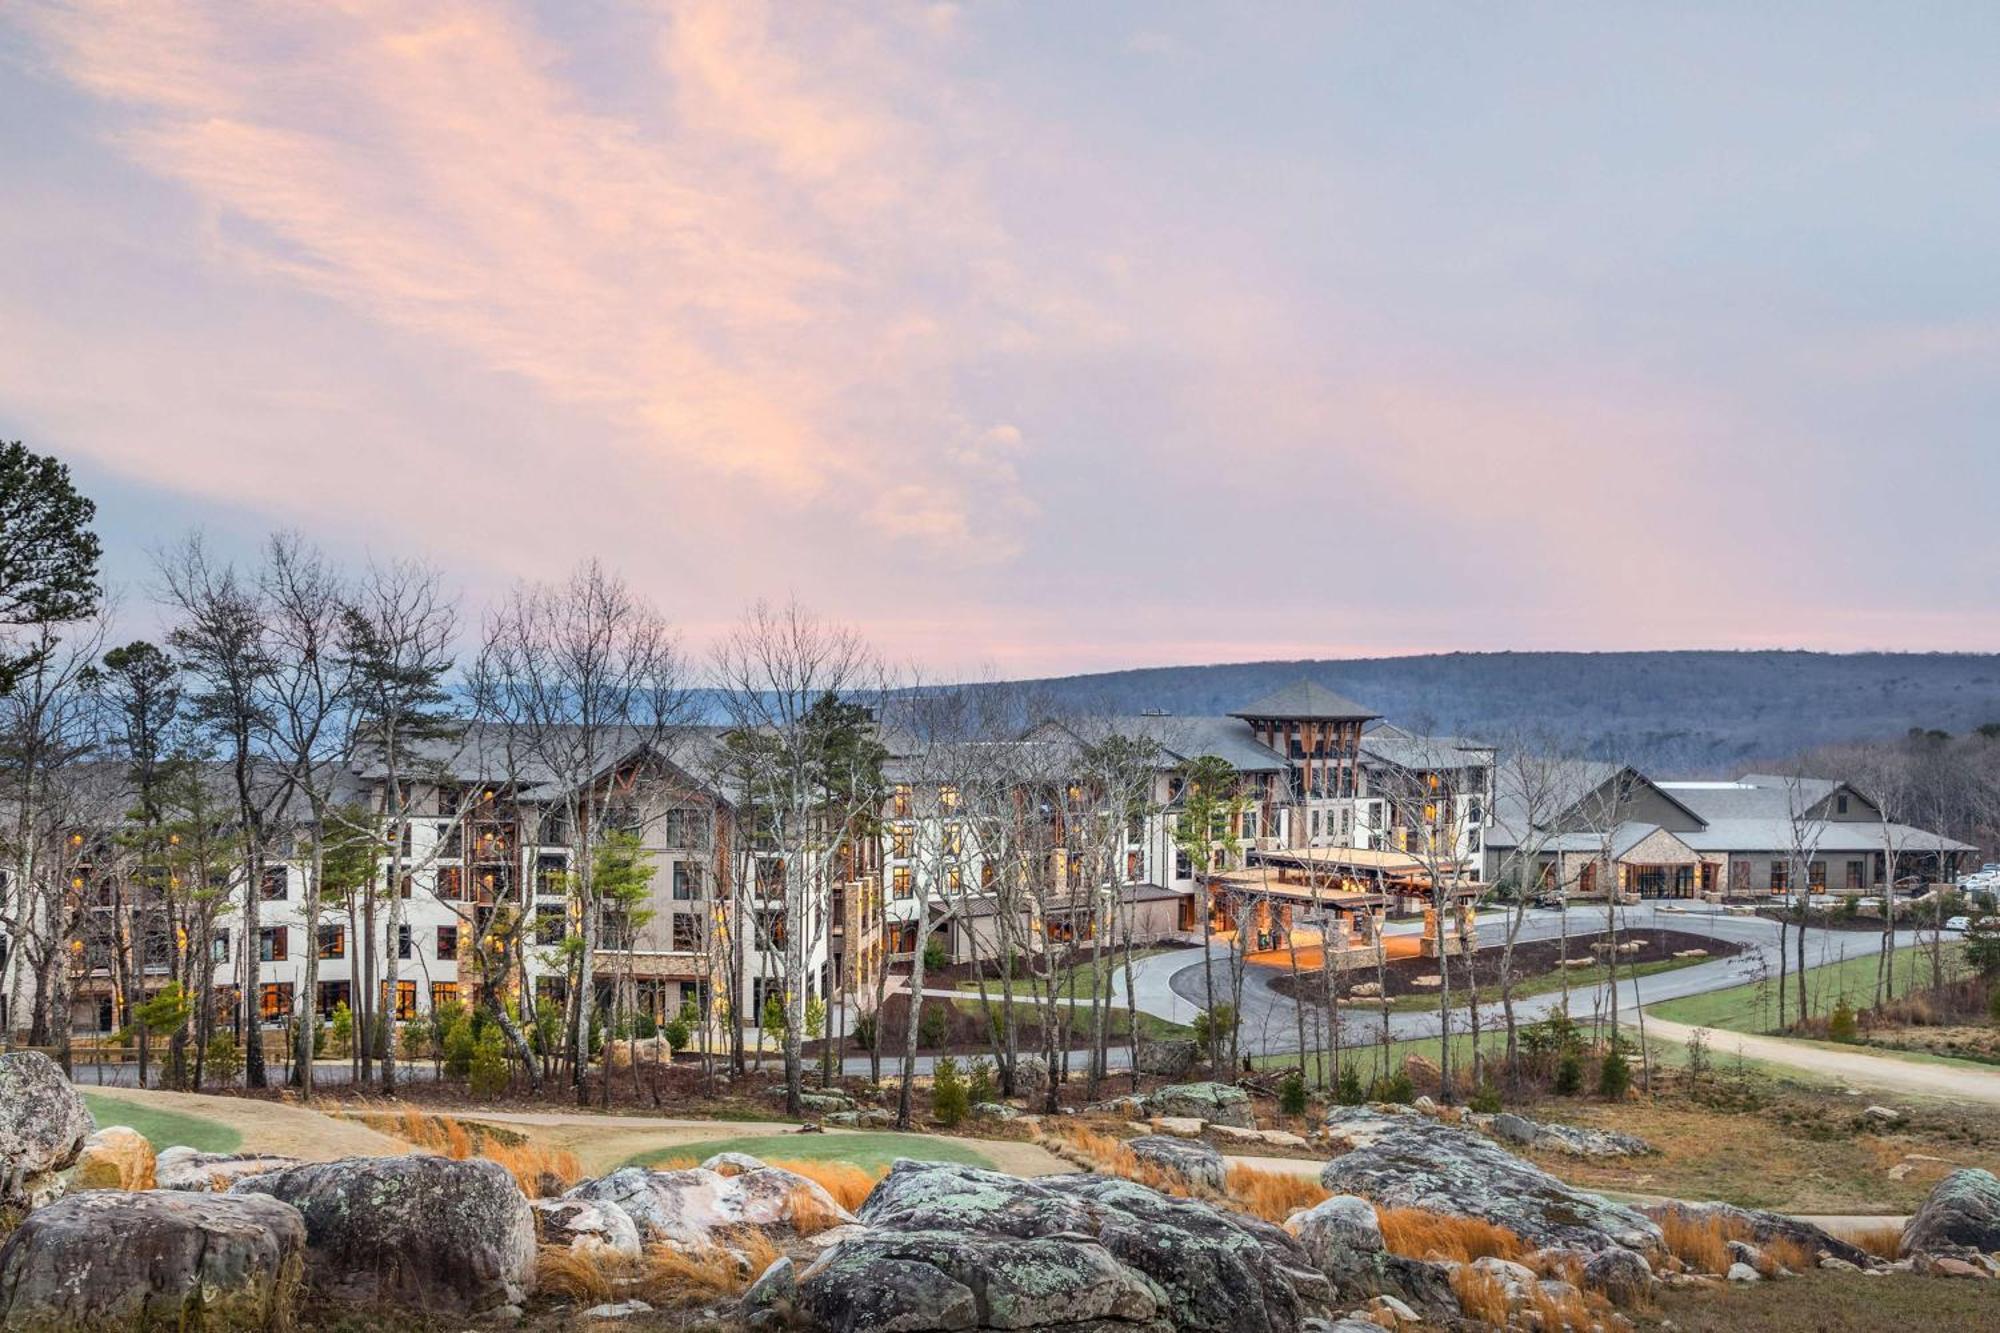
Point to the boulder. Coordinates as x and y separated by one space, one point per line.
1742 1272
420 1231
1964 1210
1343 1238
179 1168
1219 1103
1763 1227
995 1111
144 1259
1031 1076
1190 1159
1516 1129
769 1299
43 1123
585 1225
954 1247
687 1208
1175 1058
732 1163
1411 1161
1577 1141
1620 1274
114 1158
1180 1126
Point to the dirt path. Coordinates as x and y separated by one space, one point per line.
268 1127
602 1142
1883 1073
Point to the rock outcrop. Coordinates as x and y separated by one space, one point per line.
180 1168
1171 1058
149 1259
1344 1240
688 1208
43 1123
1963 1212
1193 1161
1217 1103
116 1157
1412 1161
1762 1227
953 1247
582 1224
1571 1139
429 1233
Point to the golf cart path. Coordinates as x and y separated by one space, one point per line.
1884 1073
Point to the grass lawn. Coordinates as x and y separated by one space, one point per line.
1153 1028
1752 1007
1073 983
164 1129
863 1150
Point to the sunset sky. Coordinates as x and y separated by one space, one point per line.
1035 337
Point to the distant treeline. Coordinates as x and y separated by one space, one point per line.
1688 713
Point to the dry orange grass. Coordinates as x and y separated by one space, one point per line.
1703 1245
847 1183
1114 1158
1884 1242
1415 1233
586 1276
1481 1296
1573 1310
709 1273
1272 1195
537 1169
1779 1253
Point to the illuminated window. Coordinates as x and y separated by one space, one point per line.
899 800
333 941
899 881
271 943
447 943
948 797
443 993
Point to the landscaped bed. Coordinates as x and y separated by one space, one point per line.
1538 967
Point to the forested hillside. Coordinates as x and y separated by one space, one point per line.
1689 712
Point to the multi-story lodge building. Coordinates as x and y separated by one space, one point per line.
1338 808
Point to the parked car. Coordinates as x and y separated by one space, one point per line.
1959 924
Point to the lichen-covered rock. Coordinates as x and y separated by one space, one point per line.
427 1232
43 1123
1173 1058
1411 1161
179 1168
1763 1227
1619 1273
116 1157
586 1225
995 1111
1574 1140
1963 1211
1190 1159
732 1163
1218 1103
770 1297
953 1247
114 1260
687 1208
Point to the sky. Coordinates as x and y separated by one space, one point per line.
1038 338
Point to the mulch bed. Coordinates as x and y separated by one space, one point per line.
1532 959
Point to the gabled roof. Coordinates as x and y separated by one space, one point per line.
1182 738
1406 749
1305 701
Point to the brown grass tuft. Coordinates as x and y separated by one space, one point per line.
681 1277
537 1169
846 1182
1700 1243
1884 1242
1481 1296
1571 1311
1416 1233
1778 1252
1272 1195
588 1276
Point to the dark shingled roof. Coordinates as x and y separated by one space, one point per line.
1308 702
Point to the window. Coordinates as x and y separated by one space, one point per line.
1781 876
1135 865
901 838
218 947
332 994
687 887
947 797
1739 876
1816 875
1249 823
954 879
686 828
401 942
274 1001
1840 803
899 800
1856 875
405 1001
272 887
271 943
443 993
686 932
451 883
447 943
1183 868
551 925
333 941
899 881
